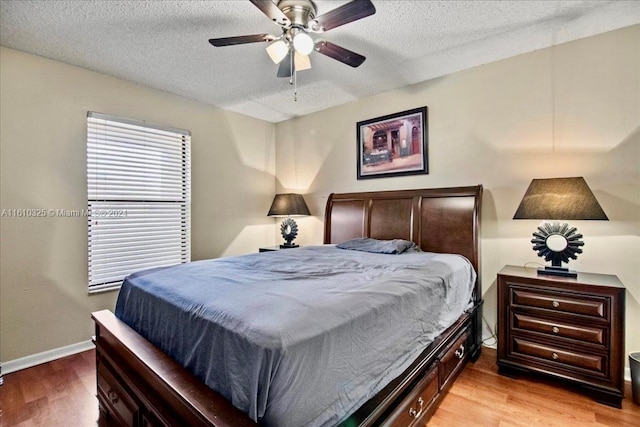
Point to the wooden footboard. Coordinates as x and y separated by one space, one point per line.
139 385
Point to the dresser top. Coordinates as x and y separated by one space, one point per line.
583 278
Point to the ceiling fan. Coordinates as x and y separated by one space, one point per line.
297 20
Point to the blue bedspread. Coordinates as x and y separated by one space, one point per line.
298 337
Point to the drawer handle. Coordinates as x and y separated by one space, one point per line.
460 351
555 356
555 304
416 413
555 329
113 397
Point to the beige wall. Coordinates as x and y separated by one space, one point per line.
44 303
571 110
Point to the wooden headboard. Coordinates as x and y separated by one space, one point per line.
437 219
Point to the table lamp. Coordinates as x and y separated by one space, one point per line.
287 205
558 199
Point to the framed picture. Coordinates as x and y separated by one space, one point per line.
393 145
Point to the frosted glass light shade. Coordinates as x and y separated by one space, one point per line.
277 51
303 43
302 62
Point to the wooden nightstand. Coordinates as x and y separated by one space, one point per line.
269 249
273 248
569 328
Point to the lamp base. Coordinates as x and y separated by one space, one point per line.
557 271
289 246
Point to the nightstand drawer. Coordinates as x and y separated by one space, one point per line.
589 334
551 354
596 307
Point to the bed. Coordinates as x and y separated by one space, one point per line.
138 384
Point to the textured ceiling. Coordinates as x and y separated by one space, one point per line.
163 44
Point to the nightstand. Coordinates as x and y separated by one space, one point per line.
274 248
568 328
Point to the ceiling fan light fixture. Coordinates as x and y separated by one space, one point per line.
297 19
302 42
278 50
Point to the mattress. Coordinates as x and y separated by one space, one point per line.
298 337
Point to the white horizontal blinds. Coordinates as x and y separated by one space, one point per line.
138 185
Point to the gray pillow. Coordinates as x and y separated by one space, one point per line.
367 244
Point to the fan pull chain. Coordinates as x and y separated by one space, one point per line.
293 80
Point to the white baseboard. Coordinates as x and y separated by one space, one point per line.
45 356
627 370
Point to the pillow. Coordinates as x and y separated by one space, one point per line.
367 244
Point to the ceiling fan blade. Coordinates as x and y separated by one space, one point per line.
339 53
356 9
270 9
230 41
285 68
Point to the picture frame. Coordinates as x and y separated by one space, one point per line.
393 145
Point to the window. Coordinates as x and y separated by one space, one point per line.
139 198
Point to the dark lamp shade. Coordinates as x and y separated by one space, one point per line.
288 204
559 199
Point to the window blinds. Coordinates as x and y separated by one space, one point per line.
139 197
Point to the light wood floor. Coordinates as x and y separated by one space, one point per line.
482 397
62 393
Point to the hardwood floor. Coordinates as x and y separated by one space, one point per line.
62 393
58 393
482 397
